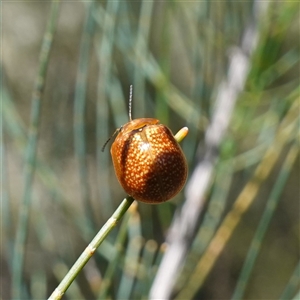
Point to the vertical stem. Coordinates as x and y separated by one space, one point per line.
105 52
30 158
79 110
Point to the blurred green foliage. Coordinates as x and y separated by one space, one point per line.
175 53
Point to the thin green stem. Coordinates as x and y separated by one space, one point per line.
91 248
105 54
30 159
79 110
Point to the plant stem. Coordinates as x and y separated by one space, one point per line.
30 158
91 248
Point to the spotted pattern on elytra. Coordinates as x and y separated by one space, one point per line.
148 161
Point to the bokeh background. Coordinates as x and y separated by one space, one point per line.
175 53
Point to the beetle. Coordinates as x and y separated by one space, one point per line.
148 161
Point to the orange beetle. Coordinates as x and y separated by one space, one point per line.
148 161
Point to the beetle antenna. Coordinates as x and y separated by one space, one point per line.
103 147
130 102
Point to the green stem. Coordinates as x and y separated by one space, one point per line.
105 60
91 248
79 111
30 159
